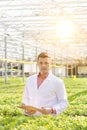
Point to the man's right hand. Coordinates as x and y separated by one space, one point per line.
30 112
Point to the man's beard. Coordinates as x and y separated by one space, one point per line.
44 71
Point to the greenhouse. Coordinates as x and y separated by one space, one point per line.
57 28
30 27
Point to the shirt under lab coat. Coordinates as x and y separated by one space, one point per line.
51 93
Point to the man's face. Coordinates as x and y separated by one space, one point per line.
44 65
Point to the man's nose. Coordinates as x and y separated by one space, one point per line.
43 64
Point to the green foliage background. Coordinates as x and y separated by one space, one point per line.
12 118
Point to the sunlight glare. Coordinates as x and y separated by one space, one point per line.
65 29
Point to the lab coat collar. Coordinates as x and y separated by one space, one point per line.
49 75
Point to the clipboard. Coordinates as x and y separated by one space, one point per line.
26 107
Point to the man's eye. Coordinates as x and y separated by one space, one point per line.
41 63
46 62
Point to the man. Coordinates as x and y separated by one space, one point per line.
44 90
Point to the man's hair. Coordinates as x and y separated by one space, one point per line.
43 55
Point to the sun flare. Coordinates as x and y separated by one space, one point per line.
65 29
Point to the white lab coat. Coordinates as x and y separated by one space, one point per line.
51 93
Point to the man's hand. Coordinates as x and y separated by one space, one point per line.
30 112
43 110
46 110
